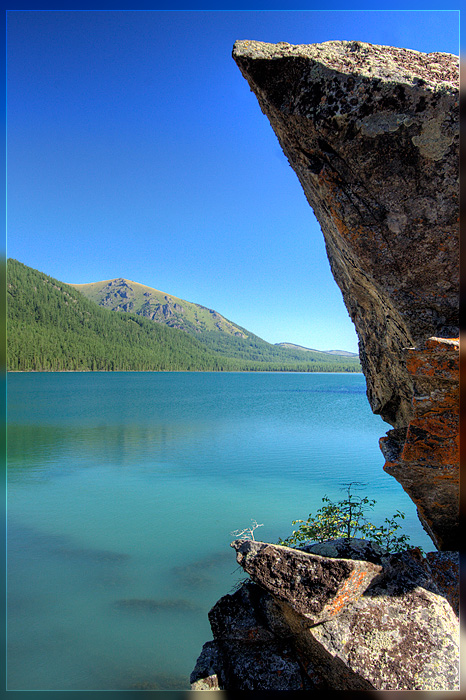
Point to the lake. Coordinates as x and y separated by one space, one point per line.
124 489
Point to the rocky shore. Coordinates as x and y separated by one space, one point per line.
347 618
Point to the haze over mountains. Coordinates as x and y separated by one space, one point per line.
119 325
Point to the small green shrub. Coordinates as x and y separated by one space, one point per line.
346 519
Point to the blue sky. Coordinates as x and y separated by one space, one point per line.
135 149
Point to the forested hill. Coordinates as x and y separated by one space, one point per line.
52 326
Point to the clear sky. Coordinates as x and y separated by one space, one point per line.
135 149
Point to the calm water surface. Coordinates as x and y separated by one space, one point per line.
123 491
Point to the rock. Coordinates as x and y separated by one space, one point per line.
426 462
400 633
354 121
204 675
403 642
353 548
372 133
445 570
245 653
317 587
260 666
240 616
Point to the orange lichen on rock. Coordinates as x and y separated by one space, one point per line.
427 463
320 587
433 433
438 358
356 582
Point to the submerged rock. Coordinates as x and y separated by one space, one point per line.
198 574
156 605
93 555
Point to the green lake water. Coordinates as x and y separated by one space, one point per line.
123 491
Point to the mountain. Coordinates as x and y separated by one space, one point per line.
211 328
53 326
340 353
124 295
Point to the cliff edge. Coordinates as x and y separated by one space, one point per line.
372 133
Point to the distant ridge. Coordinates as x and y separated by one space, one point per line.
206 325
341 353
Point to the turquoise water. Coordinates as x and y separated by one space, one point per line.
123 491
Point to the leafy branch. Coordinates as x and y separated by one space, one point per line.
347 519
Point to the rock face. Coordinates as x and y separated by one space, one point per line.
426 458
372 133
400 632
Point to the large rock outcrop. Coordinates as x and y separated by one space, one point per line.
372 133
397 630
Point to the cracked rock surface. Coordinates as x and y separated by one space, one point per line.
319 586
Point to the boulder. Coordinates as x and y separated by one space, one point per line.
408 641
204 675
399 633
342 548
317 587
445 570
245 654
